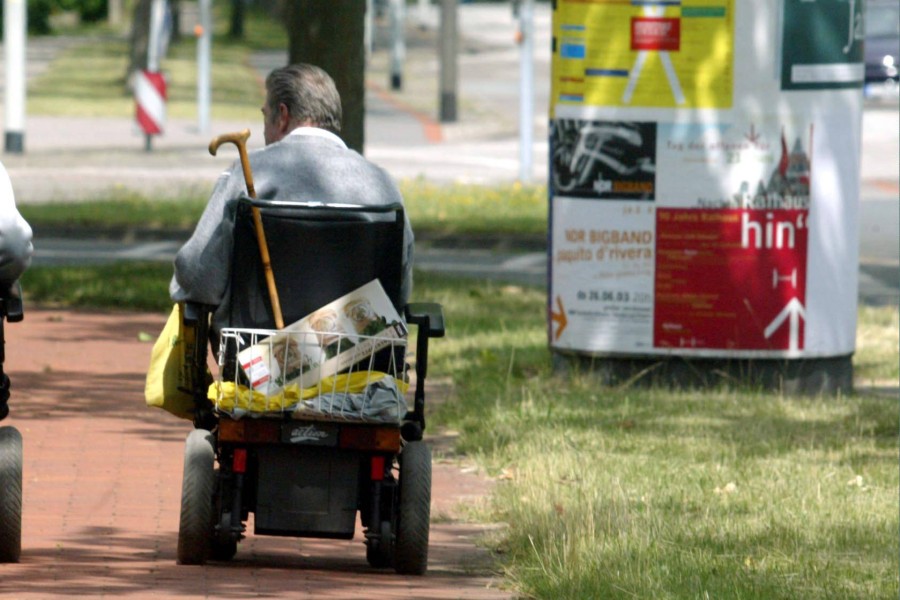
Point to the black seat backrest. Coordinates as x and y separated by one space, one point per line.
318 252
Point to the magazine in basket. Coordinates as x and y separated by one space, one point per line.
334 337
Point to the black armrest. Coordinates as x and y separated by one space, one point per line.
195 318
428 316
193 312
13 309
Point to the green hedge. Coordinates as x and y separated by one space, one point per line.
39 12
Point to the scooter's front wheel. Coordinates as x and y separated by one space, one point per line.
195 528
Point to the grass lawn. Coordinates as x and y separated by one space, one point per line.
447 210
124 285
630 493
89 79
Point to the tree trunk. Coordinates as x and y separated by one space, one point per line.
238 10
175 7
329 34
140 37
274 8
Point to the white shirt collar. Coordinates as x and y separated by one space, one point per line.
318 132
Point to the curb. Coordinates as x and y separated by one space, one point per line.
499 242
121 234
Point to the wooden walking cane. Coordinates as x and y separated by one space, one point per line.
239 139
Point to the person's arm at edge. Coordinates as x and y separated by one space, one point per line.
16 246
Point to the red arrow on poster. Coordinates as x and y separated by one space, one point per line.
793 311
559 317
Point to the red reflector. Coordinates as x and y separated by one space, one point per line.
239 465
377 468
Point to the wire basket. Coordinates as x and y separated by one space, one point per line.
311 374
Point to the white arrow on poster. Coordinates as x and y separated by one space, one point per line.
794 311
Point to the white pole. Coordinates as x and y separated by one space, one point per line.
157 13
447 48
398 42
526 95
367 32
15 20
423 13
204 41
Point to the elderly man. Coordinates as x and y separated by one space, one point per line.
304 160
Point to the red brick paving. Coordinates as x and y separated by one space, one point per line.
102 487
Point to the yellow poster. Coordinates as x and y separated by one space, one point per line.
643 53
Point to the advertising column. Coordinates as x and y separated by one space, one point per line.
704 161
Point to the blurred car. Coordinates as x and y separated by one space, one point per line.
882 47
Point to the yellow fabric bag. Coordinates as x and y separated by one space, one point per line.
168 382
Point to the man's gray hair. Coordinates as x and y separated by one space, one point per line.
309 94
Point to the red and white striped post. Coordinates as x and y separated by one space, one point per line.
150 98
150 85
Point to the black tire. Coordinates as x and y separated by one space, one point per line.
195 528
380 556
414 515
10 495
219 550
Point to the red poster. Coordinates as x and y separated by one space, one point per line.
655 33
730 279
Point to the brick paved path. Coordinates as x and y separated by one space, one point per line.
102 479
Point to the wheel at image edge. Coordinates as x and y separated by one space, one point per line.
10 495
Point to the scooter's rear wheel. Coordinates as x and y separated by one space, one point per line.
414 518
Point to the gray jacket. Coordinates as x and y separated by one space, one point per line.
309 165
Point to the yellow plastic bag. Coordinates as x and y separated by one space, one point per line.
227 396
169 382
